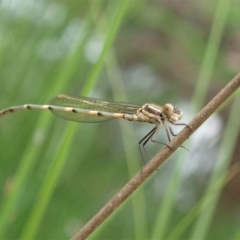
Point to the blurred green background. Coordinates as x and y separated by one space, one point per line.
56 175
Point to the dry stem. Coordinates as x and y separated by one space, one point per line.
162 156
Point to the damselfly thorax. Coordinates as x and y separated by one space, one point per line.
88 110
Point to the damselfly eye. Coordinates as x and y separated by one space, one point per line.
178 113
168 110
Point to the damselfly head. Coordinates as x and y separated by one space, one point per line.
172 113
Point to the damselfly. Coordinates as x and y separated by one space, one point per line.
85 109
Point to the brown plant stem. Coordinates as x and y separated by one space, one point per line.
162 156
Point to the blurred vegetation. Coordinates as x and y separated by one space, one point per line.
55 175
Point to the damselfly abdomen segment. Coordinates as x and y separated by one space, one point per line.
89 110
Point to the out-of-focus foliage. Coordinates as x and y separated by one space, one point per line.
55 176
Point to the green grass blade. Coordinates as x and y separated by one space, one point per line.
52 178
119 93
32 151
211 54
201 88
218 181
223 162
167 204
